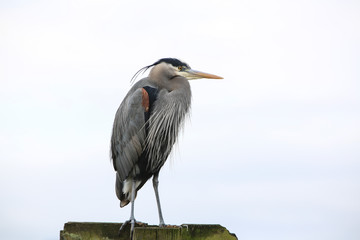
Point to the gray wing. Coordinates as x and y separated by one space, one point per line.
128 136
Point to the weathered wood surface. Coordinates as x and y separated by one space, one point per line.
109 231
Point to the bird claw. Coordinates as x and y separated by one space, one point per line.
132 227
132 221
123 226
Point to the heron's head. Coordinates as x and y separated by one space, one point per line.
171 68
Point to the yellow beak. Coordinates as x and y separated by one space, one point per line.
194 74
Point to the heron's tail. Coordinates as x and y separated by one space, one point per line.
119 192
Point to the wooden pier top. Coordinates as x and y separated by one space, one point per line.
109 231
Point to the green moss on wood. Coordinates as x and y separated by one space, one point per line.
109 231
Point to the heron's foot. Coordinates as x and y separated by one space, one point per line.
123 226
132 222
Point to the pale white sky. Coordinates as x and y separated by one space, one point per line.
271 152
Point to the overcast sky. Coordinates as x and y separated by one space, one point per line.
271 152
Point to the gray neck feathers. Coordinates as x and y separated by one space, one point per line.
165 123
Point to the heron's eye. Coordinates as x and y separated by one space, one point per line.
180 68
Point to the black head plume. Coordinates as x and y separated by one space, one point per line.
173 61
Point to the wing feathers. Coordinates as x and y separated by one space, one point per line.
128 136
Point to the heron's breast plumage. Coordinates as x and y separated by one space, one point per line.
166 120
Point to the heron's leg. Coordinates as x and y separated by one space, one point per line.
156 184
132 218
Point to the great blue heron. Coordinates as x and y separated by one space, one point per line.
146 126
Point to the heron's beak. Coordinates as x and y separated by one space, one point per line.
194 74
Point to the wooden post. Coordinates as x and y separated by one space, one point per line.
109 231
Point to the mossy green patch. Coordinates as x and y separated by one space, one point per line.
109 231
